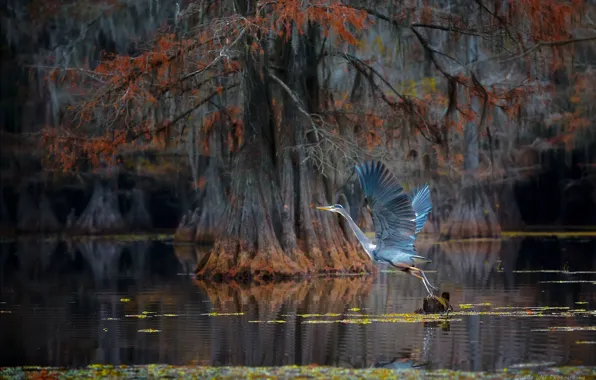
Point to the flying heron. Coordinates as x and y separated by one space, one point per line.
397 218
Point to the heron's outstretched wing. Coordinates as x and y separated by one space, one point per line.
391 208
422 205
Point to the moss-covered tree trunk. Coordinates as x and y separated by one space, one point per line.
5 222
213 205
102 213
324 240
249 244
506 207
270 228
473 215
35 213
138 217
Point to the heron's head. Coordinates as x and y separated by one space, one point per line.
332 208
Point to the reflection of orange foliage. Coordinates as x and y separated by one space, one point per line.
331 295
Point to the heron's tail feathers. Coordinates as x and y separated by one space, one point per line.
422 205
420 260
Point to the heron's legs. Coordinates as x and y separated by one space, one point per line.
424 275
423 282
413 271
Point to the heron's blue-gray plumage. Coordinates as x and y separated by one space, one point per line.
391 208
397 218
422 205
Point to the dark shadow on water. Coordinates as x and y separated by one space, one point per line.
93 301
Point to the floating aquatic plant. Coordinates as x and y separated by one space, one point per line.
148 331
568 282
568 328
472 305
141 316
216 314
272 321
285 372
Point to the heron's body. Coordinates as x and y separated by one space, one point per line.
397 217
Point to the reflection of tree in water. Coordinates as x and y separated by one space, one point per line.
189 255
136 255
470 262
237 341
72 311
35 255
102 256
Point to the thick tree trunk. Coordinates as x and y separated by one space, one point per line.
36 216
213 205
472 216
185 232
138 218
271 225
5 222
320 232
249 245
288 180
102 213
507 209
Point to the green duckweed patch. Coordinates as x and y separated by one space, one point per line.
559 234
148 331
285 372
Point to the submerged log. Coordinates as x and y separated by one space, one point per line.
102 213
472 216
435 305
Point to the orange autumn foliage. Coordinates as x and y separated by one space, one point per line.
121 93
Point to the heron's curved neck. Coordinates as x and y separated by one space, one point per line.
368 246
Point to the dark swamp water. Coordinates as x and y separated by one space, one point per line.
106 302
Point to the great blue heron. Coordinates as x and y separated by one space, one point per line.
397 218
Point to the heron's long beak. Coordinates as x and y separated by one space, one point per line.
326 208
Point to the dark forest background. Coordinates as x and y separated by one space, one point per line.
227 121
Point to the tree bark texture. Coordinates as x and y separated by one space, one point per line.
102 213
36 213
5 222
270 227
138 217
472 216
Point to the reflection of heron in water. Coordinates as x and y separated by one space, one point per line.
414 361
400 363
397 217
